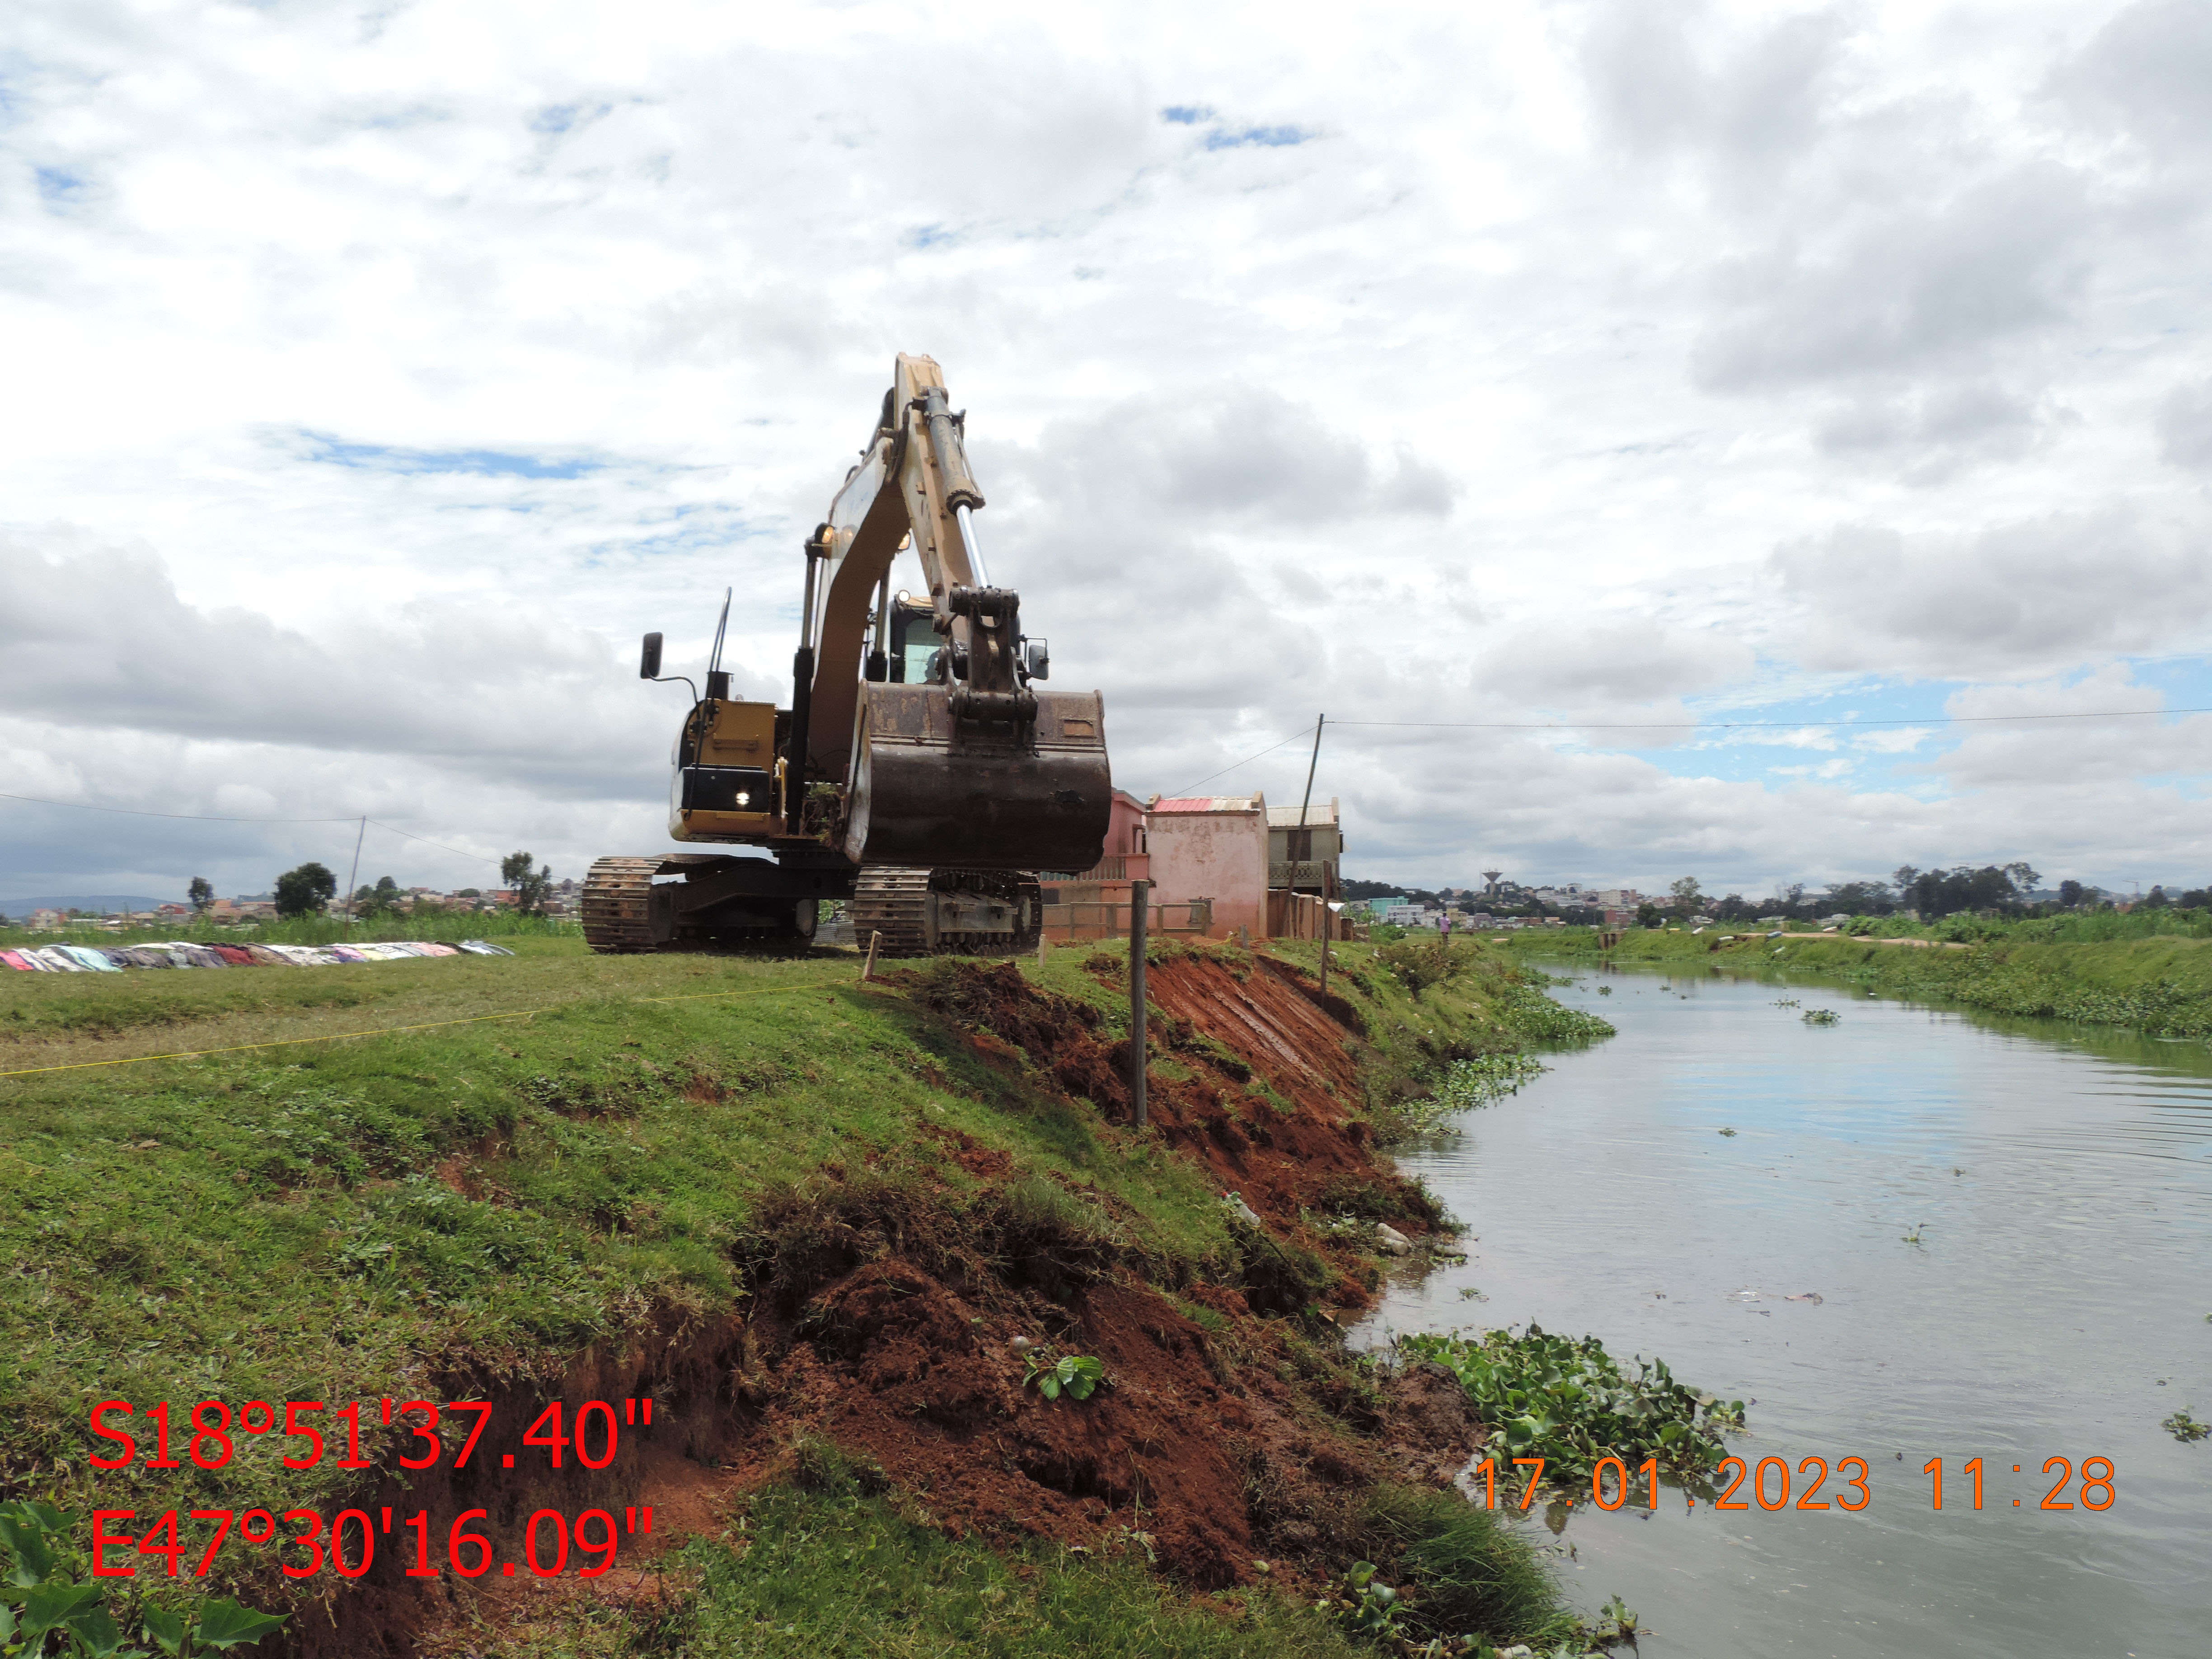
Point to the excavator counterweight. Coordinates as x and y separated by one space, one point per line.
921 770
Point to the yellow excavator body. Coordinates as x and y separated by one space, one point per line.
921 772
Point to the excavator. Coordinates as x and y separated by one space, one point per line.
921 774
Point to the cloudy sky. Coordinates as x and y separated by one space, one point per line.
1676 431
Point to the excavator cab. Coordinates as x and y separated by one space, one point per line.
920 770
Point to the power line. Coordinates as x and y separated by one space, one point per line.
1247 761
427 841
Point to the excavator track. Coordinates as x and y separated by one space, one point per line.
615 896
920 912
894 903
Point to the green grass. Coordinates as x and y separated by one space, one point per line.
644 1141
848 1576
337 1220
835 1571
2160 983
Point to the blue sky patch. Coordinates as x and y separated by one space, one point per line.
56 185
1272 137
1187 115
482 463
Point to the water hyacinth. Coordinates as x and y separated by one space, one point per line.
1568 1401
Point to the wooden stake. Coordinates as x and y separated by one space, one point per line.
1140 904
868 968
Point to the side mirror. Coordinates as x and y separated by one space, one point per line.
1040 660
648 666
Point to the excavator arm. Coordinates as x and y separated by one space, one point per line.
978 767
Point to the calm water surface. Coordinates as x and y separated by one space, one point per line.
2061 1182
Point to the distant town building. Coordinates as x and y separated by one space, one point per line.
1304 857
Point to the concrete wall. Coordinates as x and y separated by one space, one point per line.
1222 856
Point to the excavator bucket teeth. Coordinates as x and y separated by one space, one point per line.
934 787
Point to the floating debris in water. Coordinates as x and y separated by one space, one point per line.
1813 1296
1724 1132
1821 1017
2185 1428
1913 1238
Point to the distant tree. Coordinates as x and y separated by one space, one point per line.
2069 893
1904 878
201 894
1734 907
2197 898
1649 914
1945 892
1860 898
1687 898
382 899
469 892
2024 876
301 891
529 886
2154 900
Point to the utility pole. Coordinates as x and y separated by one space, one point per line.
352 874
1305 841
1140 904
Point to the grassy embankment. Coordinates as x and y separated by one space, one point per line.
614 1187
2149 973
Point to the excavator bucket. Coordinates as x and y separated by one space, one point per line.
1014 781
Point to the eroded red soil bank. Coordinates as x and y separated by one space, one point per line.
892 1313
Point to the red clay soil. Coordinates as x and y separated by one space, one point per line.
1223 1450
1280 1162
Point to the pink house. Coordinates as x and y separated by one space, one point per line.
1212 847
1094 903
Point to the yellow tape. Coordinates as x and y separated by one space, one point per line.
387 1030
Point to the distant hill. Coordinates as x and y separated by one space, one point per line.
13 907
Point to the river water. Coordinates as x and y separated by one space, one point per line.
2059 1179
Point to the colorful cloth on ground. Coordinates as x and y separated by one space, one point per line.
87 957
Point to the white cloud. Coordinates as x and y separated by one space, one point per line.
374 381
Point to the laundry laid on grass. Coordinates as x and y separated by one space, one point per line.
108 959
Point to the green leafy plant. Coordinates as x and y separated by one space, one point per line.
1075 1375
1821 1017
2185 1428
1569 1402
1364 1605
1419 963
47 1608
1616 1621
